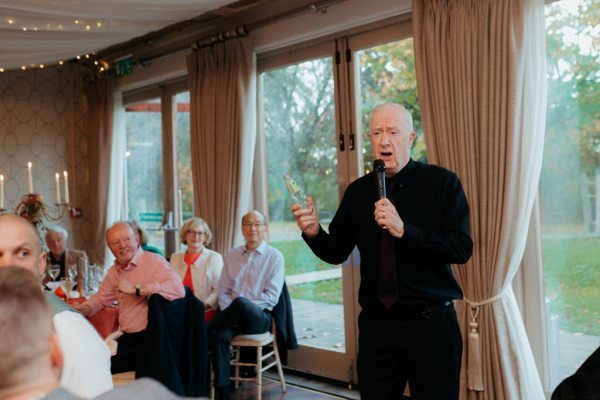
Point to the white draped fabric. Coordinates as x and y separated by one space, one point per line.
34 32
482 90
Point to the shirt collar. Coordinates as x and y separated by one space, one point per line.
134 261
261 248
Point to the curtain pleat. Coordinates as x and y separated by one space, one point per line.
481 72
223 135
99 124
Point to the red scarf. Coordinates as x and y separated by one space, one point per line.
189 259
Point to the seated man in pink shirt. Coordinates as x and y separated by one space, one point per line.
135 276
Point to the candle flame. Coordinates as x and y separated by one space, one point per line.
65 173
57 176
29 164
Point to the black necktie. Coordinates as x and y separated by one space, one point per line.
387 282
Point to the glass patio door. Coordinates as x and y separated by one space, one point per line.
308 115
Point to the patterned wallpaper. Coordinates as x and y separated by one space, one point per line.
42 113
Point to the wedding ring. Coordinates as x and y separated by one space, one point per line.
383 215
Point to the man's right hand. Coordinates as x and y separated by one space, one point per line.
307 218
83 308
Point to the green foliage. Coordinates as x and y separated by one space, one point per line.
144 163
572 132
572 272
300 134
329 291
299 258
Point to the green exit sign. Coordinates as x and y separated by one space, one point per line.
124 66
151 217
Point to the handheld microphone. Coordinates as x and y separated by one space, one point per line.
379 169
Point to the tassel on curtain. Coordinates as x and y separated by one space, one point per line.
474 361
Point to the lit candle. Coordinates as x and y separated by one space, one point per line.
1 191
30 179
57 177
66 187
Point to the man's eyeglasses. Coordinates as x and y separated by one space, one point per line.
253 224
195 233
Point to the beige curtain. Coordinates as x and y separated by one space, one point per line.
223 135
99 124
481 73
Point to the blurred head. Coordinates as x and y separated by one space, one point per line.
195 231
20 244
392 135
56 240
122 241
254 228
140 232
31 357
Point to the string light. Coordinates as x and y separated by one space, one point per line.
89 60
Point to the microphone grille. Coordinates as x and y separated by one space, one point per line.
379 165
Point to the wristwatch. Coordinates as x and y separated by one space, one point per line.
138 289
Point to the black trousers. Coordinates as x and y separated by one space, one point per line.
128 352
421 349
242 316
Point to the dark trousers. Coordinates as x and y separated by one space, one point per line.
242 316
128 352
423 349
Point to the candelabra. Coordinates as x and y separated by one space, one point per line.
32 207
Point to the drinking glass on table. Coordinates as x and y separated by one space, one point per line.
66 284
72 271
54 271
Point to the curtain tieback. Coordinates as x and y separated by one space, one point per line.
474 366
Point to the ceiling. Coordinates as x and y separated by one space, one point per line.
37 33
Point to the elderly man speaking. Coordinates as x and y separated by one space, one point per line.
135 276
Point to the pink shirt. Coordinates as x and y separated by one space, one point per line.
148 269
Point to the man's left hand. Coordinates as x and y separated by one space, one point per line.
387 217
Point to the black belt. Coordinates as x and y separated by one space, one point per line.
401 313
436 307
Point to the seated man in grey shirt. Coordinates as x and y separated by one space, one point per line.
250 285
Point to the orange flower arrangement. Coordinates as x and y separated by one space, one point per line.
33 210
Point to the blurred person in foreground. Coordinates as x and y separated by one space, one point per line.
249 288
58 254
143 238
199 268
30 351
86 358
408 330
135 276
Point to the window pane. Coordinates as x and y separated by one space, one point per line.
299 118
144 167
387 74
184 165
570 184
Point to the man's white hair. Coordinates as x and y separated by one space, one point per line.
58 230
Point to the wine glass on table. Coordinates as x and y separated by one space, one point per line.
66 284
72 271
54 271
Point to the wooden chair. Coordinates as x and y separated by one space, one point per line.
259 341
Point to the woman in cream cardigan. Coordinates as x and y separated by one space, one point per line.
199 267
